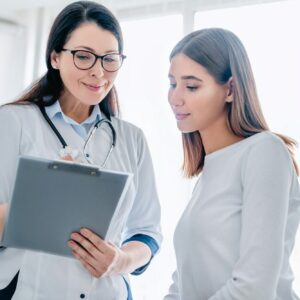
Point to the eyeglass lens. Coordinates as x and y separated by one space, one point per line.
85 60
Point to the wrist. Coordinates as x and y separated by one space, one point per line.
123 263
3 208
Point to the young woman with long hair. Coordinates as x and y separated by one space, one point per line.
235 237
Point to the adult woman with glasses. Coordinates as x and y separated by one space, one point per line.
59 117
235 237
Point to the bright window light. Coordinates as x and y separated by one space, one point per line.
11 71
142 87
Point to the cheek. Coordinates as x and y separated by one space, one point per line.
208 106
170 96
70 76
214 100
111 77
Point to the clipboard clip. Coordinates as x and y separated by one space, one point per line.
76 168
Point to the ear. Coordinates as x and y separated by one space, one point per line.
229 84
54 60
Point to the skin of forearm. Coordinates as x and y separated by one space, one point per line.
137 254
3 207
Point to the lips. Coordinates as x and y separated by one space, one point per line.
181 116
94 87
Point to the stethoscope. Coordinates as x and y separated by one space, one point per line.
67 150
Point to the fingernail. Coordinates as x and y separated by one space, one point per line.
83 231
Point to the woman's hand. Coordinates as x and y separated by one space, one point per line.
99 257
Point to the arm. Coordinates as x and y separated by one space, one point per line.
137 254
266 179
102 258
10 137
143 222
3 208
173 290
142 231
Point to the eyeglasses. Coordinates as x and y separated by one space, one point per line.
85 60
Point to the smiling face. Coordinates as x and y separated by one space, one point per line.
86 87
197 101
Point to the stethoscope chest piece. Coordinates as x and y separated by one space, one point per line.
69 151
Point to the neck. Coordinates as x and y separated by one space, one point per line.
74 109
218 136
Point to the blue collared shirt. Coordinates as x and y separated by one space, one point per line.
54 111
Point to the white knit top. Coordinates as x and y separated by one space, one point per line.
234 239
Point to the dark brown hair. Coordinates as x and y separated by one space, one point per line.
223 55
48 89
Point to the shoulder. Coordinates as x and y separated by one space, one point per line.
8 115
126 129
18 118
267 144
19 111
268 152
131 136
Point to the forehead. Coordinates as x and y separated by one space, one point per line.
93 36
182 65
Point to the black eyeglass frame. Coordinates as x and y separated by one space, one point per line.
73 52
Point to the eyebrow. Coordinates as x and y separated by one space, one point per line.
93 50
186 77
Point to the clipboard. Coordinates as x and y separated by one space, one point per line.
51 199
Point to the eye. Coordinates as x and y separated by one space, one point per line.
172 85
111 58
81 55
192 88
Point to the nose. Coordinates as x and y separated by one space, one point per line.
175 97
97 70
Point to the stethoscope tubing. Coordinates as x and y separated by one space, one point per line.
97 125
55 130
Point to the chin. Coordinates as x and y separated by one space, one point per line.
102 96
185 129
95 100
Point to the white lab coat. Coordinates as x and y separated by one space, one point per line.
23 130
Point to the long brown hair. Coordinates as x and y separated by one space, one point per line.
49 87
223 55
